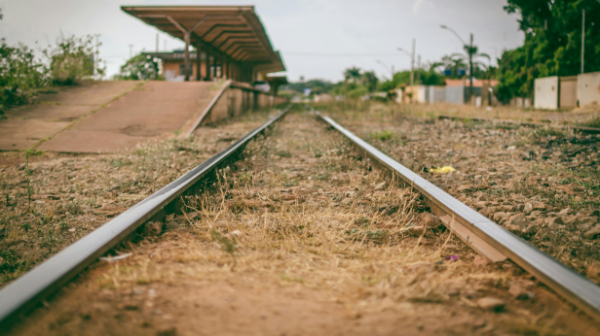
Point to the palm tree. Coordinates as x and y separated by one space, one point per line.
352 74
370 80
453 62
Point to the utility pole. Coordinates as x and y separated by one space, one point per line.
471 68
412 67
412 70
156 42
130 50
419 70
582 40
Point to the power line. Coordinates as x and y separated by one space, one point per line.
338 54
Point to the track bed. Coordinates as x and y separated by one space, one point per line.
299 237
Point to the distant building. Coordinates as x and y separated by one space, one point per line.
552 93
172 64
231 40
457 90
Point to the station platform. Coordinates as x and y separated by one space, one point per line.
105 117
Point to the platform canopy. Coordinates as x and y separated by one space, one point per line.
234 33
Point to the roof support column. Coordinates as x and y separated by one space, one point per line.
227 64
198 62
213 69
207 64
186 55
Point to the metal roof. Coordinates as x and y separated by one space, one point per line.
235 31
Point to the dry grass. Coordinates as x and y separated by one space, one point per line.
313 224
500 169
57 199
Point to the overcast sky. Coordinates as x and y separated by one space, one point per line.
317 38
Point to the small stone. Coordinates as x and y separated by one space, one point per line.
491 303
480 205
528 208
478 324
466 188
480 261
571 220
593 233
564 212
471 294
517 219
539 206
555 220
593 271
347 201
430 221
518 292
153 228
498 216
587 220
72 229
512 227
380 186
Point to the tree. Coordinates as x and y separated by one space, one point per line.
140 67
352 74
452 62
369 80
72 60
552 44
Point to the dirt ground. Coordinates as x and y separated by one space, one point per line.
541 184
301 236
58 198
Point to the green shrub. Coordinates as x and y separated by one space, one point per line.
20 75
140 67
72 60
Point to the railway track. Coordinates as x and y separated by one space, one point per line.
478 232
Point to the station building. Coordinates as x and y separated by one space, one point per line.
226 42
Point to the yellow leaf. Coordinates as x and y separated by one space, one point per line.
443 170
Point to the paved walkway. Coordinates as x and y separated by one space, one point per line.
101 123
26 126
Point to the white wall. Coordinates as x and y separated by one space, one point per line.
455 94
546 93
437 94
588 88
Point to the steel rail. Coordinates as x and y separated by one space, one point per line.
34 286
570 285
